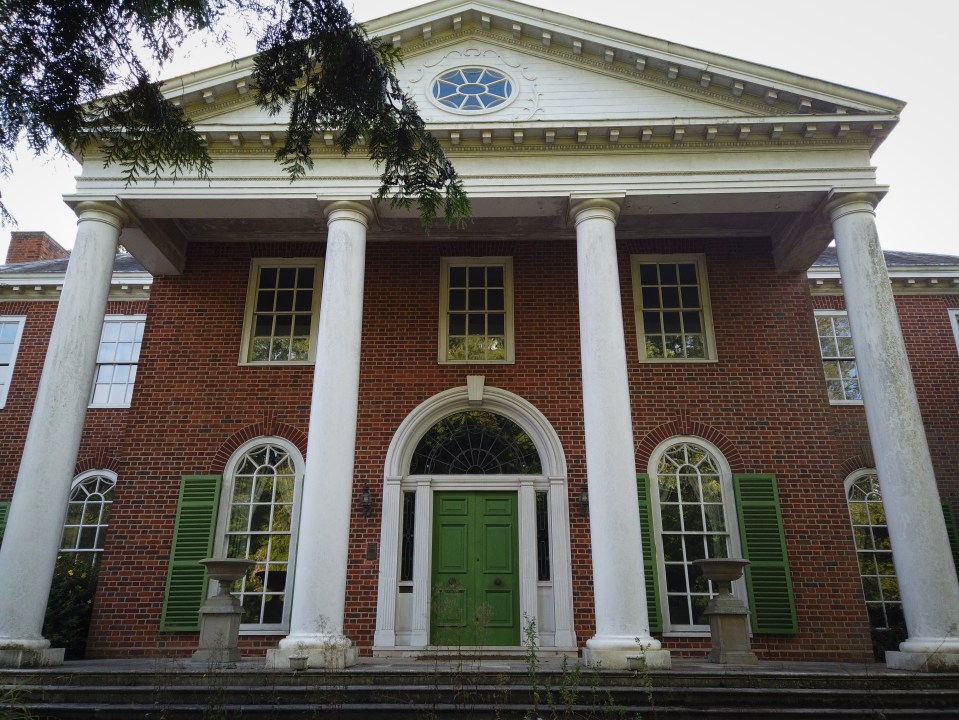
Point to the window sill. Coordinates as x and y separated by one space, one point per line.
846 402
476 362
684 361
288 363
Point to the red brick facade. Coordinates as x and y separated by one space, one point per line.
763 404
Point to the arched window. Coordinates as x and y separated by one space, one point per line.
88 514
874 550
476 443
694 519
257 521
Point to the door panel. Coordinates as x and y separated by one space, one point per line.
475 561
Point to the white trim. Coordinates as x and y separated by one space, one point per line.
709 338
730 517
21 322
443 334
223 519
553 481
954 321
249 308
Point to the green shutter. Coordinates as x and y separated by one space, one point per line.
649 555
4 511
951 530
771 604
186 581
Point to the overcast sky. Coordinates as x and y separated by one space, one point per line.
898 49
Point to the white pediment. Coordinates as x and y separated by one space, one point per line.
567 73
547 90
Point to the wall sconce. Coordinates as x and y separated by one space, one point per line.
584 502
366 501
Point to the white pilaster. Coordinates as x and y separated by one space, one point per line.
526 513
422 564
40 498
319 593
920 546
390 537
564 635
619 587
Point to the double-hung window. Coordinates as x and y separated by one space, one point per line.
282 312
671 302
117 360
838 356
476 310
11 329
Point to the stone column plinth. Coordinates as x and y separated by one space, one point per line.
619 587
319 592
35 524
920 546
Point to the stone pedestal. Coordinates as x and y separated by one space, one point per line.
220 616
728 617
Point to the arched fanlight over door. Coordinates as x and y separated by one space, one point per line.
475 442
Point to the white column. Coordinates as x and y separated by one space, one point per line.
40 498
924 565
319 592
619 587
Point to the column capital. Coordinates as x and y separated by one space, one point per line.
108 213
590 208
348 210
840 204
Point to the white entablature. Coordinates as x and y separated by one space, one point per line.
678 135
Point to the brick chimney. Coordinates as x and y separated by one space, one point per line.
33 246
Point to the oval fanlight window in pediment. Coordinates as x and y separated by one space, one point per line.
476 442
472 89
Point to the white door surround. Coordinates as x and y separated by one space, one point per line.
403 608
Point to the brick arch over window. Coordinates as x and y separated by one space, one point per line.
99 460
268 427
689 428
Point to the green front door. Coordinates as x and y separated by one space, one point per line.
475 575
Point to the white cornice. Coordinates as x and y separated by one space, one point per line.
906 280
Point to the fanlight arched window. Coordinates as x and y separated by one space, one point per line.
476 442
261 498
874 549
88 514
696 521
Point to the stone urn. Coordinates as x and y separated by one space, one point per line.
220 615
728 616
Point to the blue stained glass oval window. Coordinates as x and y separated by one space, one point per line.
472 89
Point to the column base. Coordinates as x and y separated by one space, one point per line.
20 657
333 652
626 653
922 661
333 658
